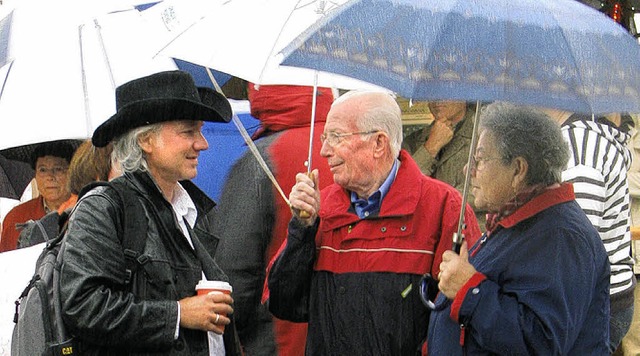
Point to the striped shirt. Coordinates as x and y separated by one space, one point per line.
598 170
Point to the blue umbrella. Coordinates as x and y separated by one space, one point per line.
553 53
550 53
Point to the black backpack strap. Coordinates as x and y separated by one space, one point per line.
135 225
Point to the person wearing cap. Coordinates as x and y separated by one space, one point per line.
157 137
50 160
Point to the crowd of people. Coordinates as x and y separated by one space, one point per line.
544 264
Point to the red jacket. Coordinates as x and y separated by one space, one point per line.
30 210
365 272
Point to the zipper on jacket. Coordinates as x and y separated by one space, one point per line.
463 330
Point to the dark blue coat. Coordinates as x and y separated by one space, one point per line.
542 287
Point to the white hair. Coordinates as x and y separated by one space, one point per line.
384 115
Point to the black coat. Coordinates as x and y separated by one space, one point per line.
110 317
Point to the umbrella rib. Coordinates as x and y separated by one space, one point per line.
273 46
573 59
4 82
104 53
87 113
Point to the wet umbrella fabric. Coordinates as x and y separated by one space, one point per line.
60 63
14 177
190 30
554 53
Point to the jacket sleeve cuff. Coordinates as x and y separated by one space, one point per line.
472 283
299 232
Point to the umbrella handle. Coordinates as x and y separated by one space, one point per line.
305 214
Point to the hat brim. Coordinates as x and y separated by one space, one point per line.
152 111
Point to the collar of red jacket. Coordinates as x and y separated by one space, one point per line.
281 107
547 199
401 200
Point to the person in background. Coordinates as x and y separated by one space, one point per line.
352 264
253 217
630 344
441 150
50 160
157 138
89 164
598 165
537 282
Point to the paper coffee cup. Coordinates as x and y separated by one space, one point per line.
206 287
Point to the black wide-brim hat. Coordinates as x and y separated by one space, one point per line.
160 97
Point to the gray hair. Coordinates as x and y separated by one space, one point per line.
384 116
528 133
127 151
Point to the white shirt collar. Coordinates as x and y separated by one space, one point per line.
183 206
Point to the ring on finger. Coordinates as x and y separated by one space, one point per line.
217 318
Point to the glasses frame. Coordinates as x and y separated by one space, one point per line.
54 171
475 161
337 137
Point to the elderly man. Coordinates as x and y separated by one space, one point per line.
352 267
157 139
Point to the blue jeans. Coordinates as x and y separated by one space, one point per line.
618 326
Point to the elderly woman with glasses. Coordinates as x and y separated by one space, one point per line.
537 281
50 160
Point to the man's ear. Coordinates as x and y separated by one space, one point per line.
146 142
381 144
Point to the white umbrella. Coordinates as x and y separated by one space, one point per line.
60 63
195 31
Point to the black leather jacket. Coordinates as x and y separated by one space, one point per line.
110 317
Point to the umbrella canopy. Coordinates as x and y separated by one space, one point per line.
60 63
554 53
14 177
194 31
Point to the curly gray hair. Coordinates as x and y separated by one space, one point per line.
529 133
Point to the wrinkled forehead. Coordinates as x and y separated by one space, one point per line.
341 118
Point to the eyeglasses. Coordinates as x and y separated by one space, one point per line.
55 171
476 161
334 138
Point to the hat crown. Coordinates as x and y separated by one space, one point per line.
164 85
160 97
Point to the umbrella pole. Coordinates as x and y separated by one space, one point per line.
458 237
313 119
304 214
252 146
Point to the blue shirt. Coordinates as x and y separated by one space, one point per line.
371 205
